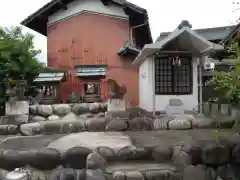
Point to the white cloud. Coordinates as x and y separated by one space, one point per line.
164 15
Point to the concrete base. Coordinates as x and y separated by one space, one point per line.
116 105
17 108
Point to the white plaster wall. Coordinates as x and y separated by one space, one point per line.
161 101
145 85
80 6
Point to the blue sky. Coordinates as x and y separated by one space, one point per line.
164 15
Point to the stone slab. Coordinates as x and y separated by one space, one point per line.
138 166
116 105
17 108
174 110
92 140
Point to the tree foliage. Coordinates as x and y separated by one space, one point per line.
17 61
229 82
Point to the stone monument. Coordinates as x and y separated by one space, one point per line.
17 105
175 107
116 94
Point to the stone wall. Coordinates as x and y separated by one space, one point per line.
199 160
73 118
220 110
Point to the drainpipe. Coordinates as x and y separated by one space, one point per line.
131 31
153 86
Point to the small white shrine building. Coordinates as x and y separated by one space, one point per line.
168 69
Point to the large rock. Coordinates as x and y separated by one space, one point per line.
31 129
53 118
162 153
181 160
94 175
8 129
122 115
10 159
193 172
161 174
38 118
138 112
162 123
22 119
69 117
106 152
134 175
202 122
44 110
64 174
132 153
116 125
95 124
46 158
215 154
119 175
76 157
181 122
95 161
61 109
80 108
141 124
94 107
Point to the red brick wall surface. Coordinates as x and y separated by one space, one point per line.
87 39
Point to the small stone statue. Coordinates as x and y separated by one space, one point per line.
114 90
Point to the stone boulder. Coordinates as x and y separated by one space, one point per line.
65 174
215 154
94 175
140 124
44 110
132 153
181 159
69 117
107 153
94 108
95 124
138 112
122 115
8 129
95 161
38 119
53 118
86 116
76 157
162 122
80 108
134 175
192 171
46 158
162 153
10 159
31 129
116 125
181 122
61 109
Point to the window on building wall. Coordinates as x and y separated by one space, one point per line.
173 75
49 91
92 88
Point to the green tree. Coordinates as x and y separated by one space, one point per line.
228 83
17 61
